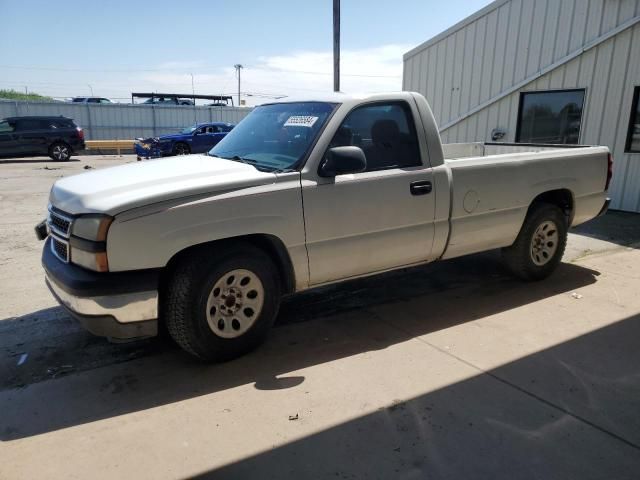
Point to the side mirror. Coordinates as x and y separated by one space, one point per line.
343 160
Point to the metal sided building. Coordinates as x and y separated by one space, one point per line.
540 71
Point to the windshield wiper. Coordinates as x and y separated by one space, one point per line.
238 158
255 164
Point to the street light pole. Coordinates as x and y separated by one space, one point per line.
90 88
336 45
238 67
193 92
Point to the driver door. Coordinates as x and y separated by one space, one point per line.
378 219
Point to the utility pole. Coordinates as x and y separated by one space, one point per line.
238 67
193 92
336 45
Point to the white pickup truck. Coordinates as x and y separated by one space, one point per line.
302 194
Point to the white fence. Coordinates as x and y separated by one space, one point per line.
124 122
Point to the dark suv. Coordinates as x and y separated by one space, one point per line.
57 137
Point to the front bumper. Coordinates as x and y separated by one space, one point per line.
120 305
152 149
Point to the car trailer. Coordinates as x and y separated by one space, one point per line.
217 100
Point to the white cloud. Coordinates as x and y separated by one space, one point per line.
295 74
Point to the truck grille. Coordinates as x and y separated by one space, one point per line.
60 249
59 223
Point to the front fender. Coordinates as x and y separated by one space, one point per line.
149 237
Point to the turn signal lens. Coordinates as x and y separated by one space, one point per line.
96 261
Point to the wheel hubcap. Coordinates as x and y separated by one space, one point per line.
59 152
234 303
544 243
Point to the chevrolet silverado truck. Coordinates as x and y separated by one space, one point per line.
302 194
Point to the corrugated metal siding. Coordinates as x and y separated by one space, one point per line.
521 37
118 121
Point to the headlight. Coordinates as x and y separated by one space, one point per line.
89 234
96 261
92 227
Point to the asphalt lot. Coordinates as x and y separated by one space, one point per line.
453 370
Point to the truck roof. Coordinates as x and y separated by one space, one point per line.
340 97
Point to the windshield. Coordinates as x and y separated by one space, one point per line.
189 130
275 137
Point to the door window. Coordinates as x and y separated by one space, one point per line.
6 127
32 124
385 132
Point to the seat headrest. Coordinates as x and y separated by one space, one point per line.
384 131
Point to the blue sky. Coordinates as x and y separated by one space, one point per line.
117 46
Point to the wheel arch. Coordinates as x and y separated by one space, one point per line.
563 198
269 244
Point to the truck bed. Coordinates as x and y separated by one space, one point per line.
455 151
492 186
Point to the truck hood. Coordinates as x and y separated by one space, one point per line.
116 189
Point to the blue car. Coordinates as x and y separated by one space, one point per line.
198 138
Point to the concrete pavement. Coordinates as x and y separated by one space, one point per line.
452 370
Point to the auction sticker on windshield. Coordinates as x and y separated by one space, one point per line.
300 121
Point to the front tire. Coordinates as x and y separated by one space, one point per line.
60 152
181 149
539 247
219 306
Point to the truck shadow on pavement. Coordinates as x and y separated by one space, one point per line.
569 411
621 228
316 327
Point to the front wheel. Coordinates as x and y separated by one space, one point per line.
219 306
181 149
540 244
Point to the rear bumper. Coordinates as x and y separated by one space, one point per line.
605 207
120 305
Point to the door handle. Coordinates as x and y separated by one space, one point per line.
421 187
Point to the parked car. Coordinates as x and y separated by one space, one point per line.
168 101
197 138
302 194
57 137
90 100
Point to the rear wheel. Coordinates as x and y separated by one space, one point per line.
540 244
220 306
181 149
60 152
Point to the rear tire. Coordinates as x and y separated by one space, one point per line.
219 306
181 148
60 152
539 247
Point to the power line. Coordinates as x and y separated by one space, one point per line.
209 69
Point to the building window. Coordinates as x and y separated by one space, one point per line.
633 135
552 117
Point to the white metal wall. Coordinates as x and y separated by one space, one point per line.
523 45
120 121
